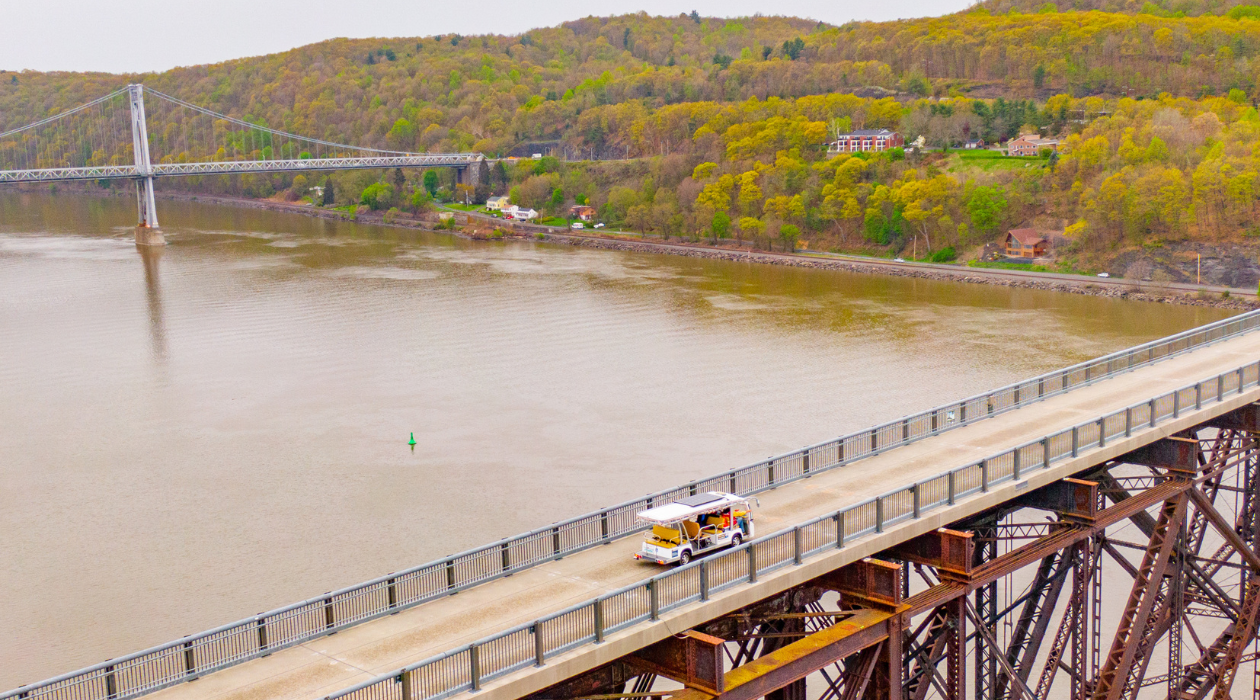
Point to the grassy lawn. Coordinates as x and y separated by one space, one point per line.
988 161
463 207
997 265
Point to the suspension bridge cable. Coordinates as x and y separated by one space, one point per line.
268 130
55 117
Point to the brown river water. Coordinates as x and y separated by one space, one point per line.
200 433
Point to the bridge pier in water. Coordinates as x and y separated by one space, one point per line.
147 232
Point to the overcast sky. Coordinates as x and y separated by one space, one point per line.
145 35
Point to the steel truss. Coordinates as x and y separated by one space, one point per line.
911 622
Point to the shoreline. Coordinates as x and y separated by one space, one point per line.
1115 289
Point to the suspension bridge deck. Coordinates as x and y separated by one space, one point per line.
329 664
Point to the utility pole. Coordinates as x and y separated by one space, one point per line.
144 186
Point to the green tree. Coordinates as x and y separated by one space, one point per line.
1039 76
720 227
431 182
377 196
986 207
329 197
789 233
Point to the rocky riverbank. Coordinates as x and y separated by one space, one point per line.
479 229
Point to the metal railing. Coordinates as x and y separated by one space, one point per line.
254 637
531 644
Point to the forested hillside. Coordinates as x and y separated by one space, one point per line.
724 121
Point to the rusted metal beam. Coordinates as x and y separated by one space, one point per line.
691 658
986 637
797 660
1246 419
1034 619
1073 499
950 552
1114 676
1225 529
856 683
598 681
1175 454
870 581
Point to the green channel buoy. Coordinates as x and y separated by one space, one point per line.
412 442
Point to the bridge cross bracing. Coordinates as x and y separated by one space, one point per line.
487 638
116 138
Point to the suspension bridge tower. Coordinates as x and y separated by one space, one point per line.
147 231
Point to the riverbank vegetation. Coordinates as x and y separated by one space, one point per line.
716 128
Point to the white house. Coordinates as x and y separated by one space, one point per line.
497 203
515 212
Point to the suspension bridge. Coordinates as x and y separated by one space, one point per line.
115 138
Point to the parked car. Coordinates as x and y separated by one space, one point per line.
1103 274
599 226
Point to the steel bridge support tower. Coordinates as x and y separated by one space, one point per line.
147 232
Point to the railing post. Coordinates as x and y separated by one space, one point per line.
840 449
599 620
555 541
704 579
404 679
1176 403
874 440
796 545
934 419
1063 383
190 663
329 619
962 412
1045 453
262 634
1017 395
1151 404
770 473
691 489
1015 463
1087 374
1128 421
732 489
1102 432
953 486
450 574
918 504
603 525
752 563
1220 388
879 514
1041 387
984 475
805 462
839 529
1198 395
905 430
540 646
391 592
654 600
474 667
1076 440
1240 380
111 683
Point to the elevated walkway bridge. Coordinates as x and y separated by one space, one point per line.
877 574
